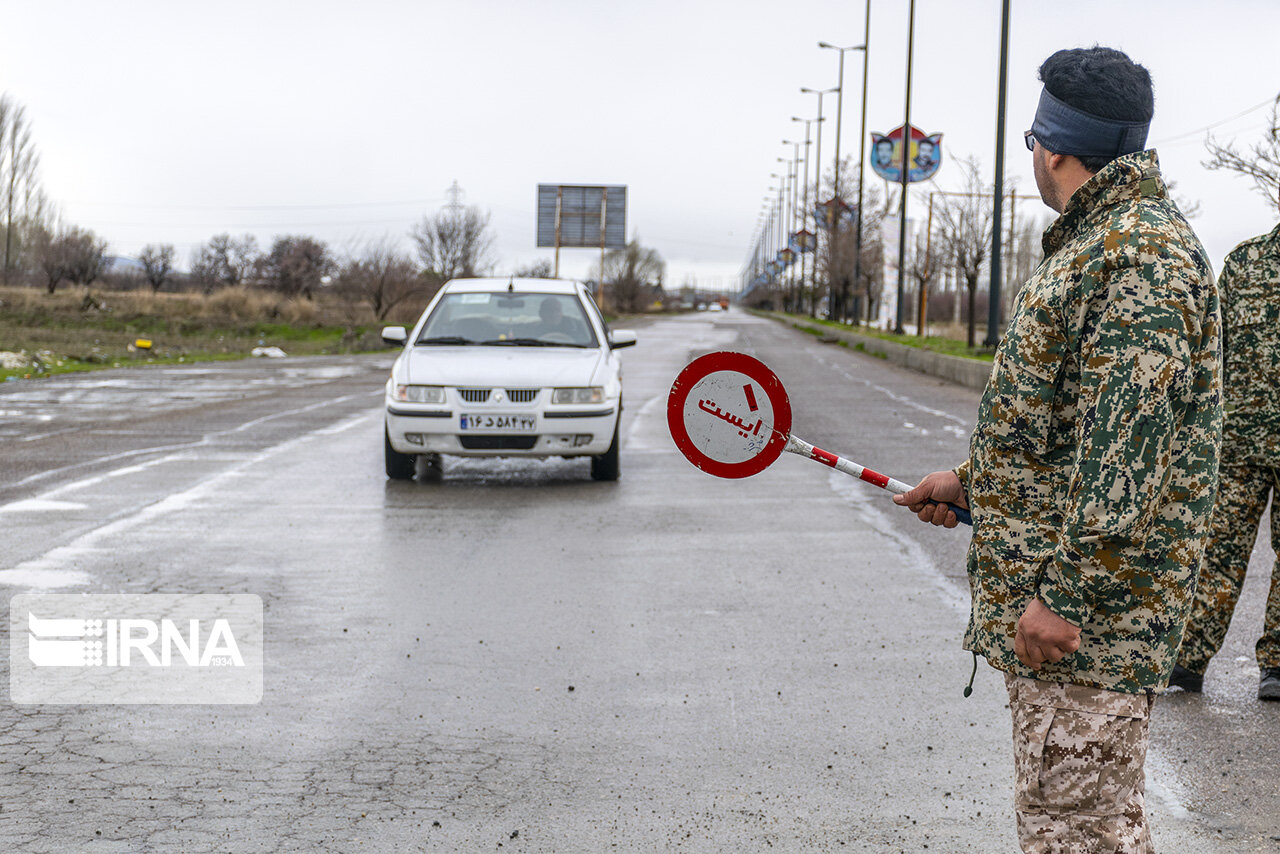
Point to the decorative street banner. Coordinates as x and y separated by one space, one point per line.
803 241
786 256
925 155
834 211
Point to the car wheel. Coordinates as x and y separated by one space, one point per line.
399 466
607 466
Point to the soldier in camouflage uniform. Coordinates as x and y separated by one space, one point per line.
1091 472
1250 472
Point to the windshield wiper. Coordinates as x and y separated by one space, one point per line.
528 342
445 340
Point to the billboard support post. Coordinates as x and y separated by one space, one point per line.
559 203
582 216
604 219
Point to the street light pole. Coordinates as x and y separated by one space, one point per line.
993 294
804 209
837 190
906 172
840 97
797 216
862 157
817 178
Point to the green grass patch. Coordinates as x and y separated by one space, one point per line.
933 343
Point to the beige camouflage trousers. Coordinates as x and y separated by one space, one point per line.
1242 496
1078 775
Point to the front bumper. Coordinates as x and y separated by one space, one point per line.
576 431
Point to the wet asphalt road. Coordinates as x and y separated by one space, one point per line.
517 658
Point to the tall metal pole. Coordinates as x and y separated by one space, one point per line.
835 185
862 158
906 172
817 178
993 297
804 204
604 203
559 198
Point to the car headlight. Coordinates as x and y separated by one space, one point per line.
594 394
418 393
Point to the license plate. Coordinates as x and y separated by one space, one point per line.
509 423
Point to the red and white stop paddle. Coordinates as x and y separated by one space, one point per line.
730 416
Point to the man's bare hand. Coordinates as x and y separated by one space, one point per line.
939 488
1043 636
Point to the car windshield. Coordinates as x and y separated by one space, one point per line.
508 320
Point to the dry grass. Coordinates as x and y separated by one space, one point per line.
78 328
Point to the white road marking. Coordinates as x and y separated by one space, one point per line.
49 570
40 505
205 440
889 393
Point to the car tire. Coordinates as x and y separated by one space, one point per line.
607 466
399 466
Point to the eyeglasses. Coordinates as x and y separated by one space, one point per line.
1029 140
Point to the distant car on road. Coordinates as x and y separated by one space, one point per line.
505 367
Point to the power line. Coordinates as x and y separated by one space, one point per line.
1209 127
416 202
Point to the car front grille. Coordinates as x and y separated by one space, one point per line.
474 395
522 395
498 443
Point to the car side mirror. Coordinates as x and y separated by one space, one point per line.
620 338
394 335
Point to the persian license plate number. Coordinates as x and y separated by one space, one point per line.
510 423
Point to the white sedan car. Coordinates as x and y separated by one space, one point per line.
506 367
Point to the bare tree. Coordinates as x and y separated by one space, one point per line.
51 258
923 267
205 272
86 255
966 227
855 299
454 243
382 276
630 273
296 265
1260 163
224 262
1027 253
157 264
542 269
19 187
235 258
835 244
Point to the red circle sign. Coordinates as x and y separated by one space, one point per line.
729 414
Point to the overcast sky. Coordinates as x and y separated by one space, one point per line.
171 122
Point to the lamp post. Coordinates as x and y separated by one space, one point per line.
817 178
804 209
836 190
993 293
906 172
795 214
840 100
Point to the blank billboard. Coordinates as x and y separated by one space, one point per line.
580 207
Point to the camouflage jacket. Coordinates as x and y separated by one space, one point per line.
1093 467
1250 285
